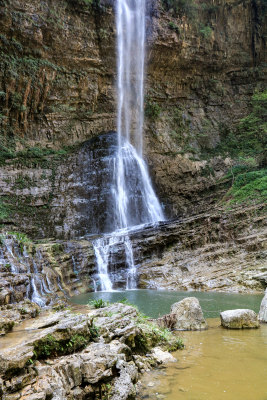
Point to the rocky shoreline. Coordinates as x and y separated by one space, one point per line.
81 353
95 351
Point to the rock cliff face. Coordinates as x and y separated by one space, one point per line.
57 89
57 66
58 103
216 251
202 71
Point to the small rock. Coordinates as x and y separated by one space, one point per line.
239 319
263 309
162 356
189 315
6 325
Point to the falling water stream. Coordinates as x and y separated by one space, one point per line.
16 258
135 200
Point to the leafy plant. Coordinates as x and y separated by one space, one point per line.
21 237
98 303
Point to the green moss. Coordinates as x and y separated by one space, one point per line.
57 249
32 156
52 347
207 171
173 27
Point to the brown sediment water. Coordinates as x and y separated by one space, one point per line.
217 364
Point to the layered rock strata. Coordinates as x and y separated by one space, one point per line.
225 252
218 251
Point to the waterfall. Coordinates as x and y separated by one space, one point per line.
135 200
14 255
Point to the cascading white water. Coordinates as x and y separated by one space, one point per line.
135 200
15 257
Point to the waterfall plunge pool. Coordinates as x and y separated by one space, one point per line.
155 303
217 364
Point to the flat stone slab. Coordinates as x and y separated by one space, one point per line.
239 319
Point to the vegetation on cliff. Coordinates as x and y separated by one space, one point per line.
248 187
249 140
57 89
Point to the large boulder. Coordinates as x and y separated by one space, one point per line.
188 315
239 319
263 309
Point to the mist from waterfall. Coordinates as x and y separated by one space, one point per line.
135 200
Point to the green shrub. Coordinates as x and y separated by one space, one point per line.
206 31
252 130
5 210
248 187
152 109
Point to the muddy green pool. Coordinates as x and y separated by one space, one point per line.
217 364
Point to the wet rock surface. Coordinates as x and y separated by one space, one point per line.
15 313
44 272
263 309
239 319
84 355
223 251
